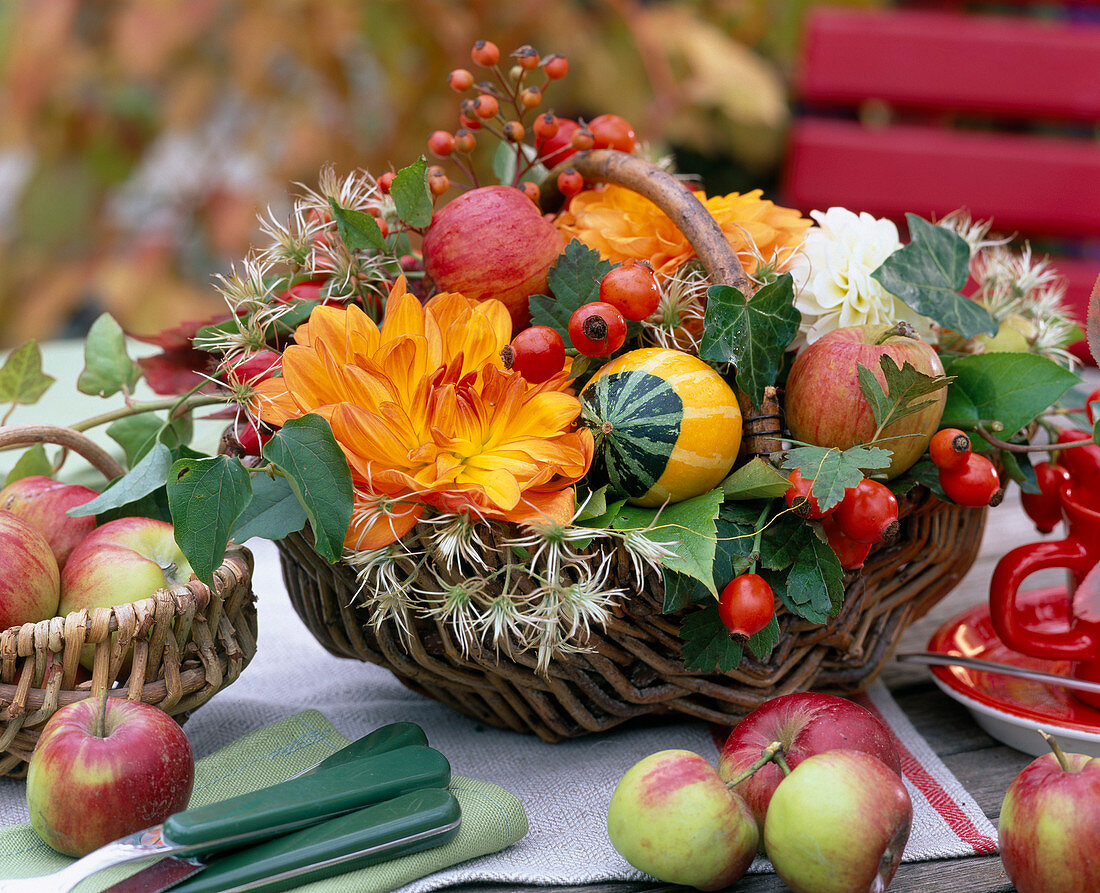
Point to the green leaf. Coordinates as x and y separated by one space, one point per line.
358 229
707 643
34 461
136 434
306 452
903 388
763 642
815 581
734 535
108 368
786 537
21 377
504 164
411 197
833 471
273 513
206 497
928 274
750 334
574 279
756 479
1012 388
686 528
145 477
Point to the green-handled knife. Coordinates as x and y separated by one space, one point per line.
340 787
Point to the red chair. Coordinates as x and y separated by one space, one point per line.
929 110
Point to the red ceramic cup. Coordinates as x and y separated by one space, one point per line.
1079 554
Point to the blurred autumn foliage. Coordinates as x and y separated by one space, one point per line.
140 138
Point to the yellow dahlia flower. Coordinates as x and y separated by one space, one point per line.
427 415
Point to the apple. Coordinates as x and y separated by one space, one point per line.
805 723
1050 824
30 581
492 242
671 816
825 407
106 767
44 503
838 823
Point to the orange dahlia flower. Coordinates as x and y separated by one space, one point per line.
622 225
427 415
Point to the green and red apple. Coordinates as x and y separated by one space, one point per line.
29 581
44 504
104 768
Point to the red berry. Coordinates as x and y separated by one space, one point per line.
385 181
1082 462
460 80
531 190
612 132
974 484
582 140
851 554
545 126
570 182
250 438
527 57
949 448
633 288
556 147
530 97
486 106
536 353
556 66
486 53
470 121
441 143
800 498
746 605
514 132
257 367
438 181
597 329
868 513
465 141
1045 507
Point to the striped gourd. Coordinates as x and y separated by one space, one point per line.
667 425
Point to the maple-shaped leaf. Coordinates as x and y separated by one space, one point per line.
573 280
929 273
751 334
833 471
904 388
707 644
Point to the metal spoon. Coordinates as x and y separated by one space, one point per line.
935 658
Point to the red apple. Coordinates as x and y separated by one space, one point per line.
671 816
104 768
492 242
838 823
824 405
30 580
1050 825
805 723
44 503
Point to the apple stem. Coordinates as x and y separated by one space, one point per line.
773 753
1059 754
900 329
100 727
781 762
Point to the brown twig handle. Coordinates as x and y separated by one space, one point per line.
100 459
671 196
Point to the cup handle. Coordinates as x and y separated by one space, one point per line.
1013 568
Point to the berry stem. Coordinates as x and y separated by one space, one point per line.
773 753
1029 448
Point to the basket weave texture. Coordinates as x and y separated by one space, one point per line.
634 668
188 643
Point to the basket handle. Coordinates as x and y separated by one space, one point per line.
99 458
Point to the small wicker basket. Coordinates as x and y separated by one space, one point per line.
634 666
188 643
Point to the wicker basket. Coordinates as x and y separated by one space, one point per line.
188 642
634 668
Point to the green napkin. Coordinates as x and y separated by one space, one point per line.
492 818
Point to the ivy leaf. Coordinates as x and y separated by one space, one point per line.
815 581
358 229
21 377
756 479
148 475
833 471
903 388
206 497
753 334
707 643
34 461
761 643
306 452
108 368
273 513
411 197
686 528
1012 388
928 274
